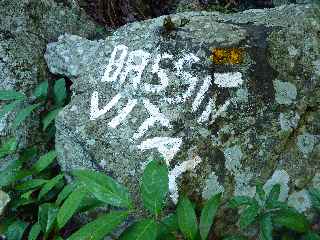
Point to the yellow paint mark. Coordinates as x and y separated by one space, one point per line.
227 55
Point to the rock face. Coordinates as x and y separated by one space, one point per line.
4 200
225 99
25 29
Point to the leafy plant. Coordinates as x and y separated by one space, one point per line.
59 202
38 100
270 214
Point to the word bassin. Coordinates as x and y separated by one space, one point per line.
127 67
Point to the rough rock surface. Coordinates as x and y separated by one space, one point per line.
149 91
26 27
4 200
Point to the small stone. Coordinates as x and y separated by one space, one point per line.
286 92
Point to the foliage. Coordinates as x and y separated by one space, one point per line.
270 214
45 206
38 101
59 202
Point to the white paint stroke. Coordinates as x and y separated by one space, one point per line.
167 146
192 86
206 113
228 80
192 82
115 63
217 113
132 65
176 172
95 112
188 58
155 116
201 94
123 113
164 80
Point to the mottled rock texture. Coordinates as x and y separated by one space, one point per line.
229 125
4 200
26 27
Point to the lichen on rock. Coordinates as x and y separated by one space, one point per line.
286 92
26 27
146 92
4 200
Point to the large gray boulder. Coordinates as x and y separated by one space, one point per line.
26 27
152 91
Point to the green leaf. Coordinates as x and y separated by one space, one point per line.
21 202
168 236
154 187
5 223
50 185
10 173
235 237
23 114
311 236
28 154
240 201
8 108
104 188
278 205
30 184
49 118
287 236
8 147
248 216
15 230
291 219
171 222
266 227
187 218
168 225
34 232
273 195
44 161
144 229
41 90
100 227
28 194
67 190
11 95
90 202
315 198
207 215
260 192
70 206
47 217
59 92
